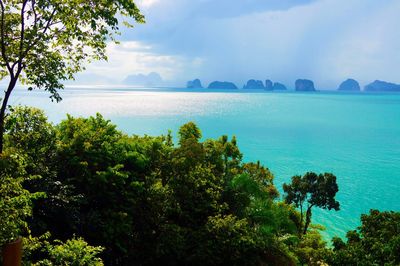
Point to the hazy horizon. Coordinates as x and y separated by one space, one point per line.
326 41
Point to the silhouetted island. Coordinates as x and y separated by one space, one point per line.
150 80
254 85
279 87
349 85
379 85
194 84
270 86
222 85
304 85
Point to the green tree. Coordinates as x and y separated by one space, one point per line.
29 133
152 203
311 249
375 242
41 251
224 155
15 200
146 200
43 42
311 190
119 200
74 252
188 132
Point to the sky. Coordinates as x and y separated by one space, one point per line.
327 41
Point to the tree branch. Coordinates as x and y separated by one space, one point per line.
3 46
45 29
21 42
301 217
22 38
34 13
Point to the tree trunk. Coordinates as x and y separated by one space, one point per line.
2 117
299 226
3 109
308 220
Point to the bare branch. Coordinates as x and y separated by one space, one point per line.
49 26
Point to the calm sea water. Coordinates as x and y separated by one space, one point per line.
354 136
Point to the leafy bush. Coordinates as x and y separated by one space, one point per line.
74 252
15 201
375 242
38 251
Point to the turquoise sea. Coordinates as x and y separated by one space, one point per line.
354 136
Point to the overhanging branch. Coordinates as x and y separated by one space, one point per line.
3 46
36 41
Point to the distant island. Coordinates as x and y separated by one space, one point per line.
259 85
251 84
150 80
222 85
349 85
301 85
194 84
254 85
382 86
269 86
277 86
304 85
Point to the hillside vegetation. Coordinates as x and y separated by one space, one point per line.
84 193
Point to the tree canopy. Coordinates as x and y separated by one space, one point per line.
375 242
311 190
45 42
146 200
83 192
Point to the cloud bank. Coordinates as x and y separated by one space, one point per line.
325 40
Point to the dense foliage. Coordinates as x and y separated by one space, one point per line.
16 202
375 242
148 201
145 200
311 190
39 251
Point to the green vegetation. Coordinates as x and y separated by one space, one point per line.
75 252
15 201
84 193
313 190
375 242
44 42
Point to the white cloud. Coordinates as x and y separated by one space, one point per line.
133 57
147 3
133 46
325 40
